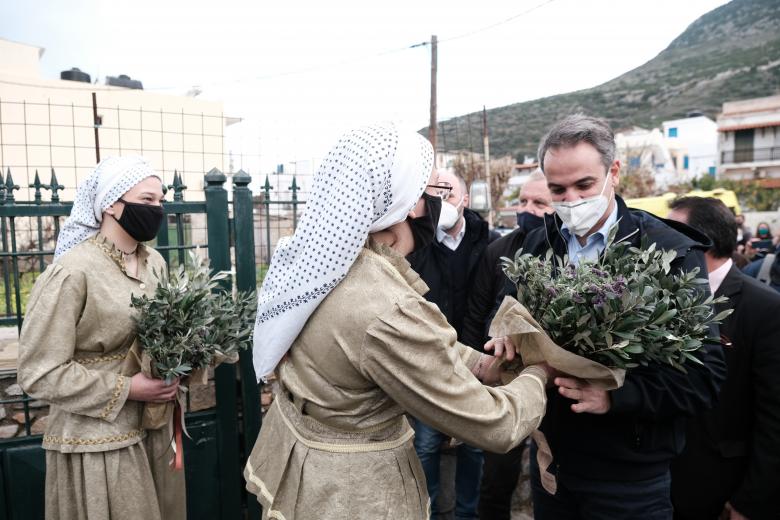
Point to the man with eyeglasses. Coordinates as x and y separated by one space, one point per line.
448 266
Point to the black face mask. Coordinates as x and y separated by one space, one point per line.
528 221
141 221
424 228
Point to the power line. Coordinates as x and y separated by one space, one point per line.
336 64
502 22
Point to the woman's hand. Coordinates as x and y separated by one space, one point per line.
152 390
488 370
501 347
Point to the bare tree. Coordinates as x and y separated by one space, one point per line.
471 166
636 175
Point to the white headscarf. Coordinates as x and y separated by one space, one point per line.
369 181
110 179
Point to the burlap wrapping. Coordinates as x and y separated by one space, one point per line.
535 346
157 415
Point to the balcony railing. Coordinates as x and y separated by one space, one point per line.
771 153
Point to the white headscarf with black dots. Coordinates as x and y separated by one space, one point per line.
369 181
110 179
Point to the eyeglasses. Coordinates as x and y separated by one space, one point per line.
441 190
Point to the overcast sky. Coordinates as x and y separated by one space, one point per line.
301 72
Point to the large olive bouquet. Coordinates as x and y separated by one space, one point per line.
625 310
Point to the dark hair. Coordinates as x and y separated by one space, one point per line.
768 227
579 128
714 219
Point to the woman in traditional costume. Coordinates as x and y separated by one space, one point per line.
357 346
77 332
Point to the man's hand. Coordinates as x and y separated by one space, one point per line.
501 347
729 513
590 399
152 390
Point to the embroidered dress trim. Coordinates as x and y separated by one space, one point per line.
120 385
111 252
71 441
254 479
101 359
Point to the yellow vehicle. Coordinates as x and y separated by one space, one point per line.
659 206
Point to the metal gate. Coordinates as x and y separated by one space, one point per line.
222 435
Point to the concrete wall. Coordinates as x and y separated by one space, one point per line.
47 123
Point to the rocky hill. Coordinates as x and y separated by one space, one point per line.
730 53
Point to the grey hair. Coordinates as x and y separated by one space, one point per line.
579 128
536 175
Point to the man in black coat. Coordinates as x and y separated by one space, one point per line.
501 470
448 266
731 464
612 449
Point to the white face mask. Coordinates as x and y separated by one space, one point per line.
581 215
449 215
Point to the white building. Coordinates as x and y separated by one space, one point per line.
50 123
680 151
749 142
693 145
639 148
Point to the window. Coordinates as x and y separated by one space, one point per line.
673 131
743 145
634 162
685 162
712 170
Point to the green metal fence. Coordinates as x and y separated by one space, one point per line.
221 436
291 210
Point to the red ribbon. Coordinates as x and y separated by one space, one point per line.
178 418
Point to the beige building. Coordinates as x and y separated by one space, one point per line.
50 123
749 140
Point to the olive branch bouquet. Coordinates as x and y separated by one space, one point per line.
625 310
187 326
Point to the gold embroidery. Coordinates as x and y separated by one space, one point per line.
111 252
92 442
120 384
100 359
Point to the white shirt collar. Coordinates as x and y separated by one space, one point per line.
450 241
594 244
717 276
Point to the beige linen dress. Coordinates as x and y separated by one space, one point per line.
78 329
336 444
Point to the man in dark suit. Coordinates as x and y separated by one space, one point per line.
730 468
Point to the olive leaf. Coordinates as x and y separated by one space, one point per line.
190 318
629 294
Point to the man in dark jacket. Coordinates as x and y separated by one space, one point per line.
501 471
447 266
731 462
611 450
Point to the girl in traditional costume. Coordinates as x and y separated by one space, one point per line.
77 332
355 345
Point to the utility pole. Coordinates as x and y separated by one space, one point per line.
96 122
432 126
486 146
